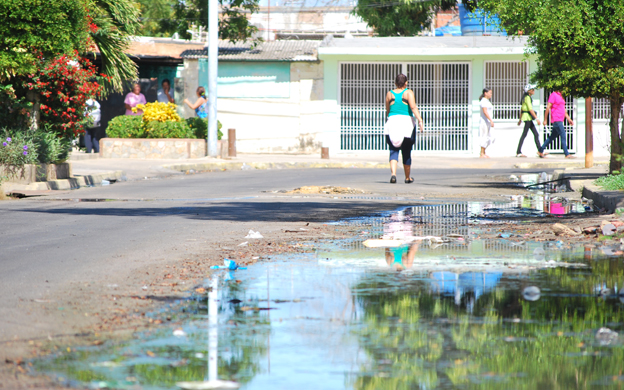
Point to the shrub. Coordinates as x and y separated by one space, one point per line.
51 149
200 127
16 150
157 111
611 182
155 129
125 126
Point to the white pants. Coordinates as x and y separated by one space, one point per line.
485 134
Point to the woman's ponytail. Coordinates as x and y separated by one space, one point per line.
485 90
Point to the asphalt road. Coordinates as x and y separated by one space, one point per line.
48 242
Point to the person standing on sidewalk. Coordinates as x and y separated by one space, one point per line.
486 122
133 99
92 110
400 129
201 104
556 105
527 115
165 94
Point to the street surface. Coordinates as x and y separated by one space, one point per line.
51 242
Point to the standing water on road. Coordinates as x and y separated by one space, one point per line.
422 297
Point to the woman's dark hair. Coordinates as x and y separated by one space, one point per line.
400 80
201 91
485 90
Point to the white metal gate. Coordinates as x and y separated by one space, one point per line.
442 94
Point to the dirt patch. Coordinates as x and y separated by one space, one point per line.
114 309
327 190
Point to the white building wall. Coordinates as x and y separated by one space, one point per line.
602 138
273 125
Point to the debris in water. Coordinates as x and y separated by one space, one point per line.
179 333
606 336
531 293
228 264
539 254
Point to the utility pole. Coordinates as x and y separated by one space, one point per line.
589 133
213 64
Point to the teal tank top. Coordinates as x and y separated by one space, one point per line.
399 107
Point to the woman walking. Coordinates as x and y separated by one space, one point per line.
486 123
400 129
527 115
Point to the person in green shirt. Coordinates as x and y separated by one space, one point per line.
527 115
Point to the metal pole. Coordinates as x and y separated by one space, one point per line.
213 64
589 134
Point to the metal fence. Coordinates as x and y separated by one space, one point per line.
507 80
442 95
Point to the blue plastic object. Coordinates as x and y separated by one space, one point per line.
478 23
453 30
228 264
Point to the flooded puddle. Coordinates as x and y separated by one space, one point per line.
417 299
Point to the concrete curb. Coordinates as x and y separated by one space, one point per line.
613 201
557 164
212 166
65 184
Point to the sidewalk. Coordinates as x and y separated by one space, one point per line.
142 168
91 170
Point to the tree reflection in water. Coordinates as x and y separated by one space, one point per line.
447 332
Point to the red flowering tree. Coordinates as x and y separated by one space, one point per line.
62 88
44 75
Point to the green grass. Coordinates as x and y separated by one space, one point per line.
611 182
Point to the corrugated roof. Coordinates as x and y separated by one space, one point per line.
265 51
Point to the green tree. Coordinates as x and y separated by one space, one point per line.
155 17
113 23
404 18
233 22
38 28
579 46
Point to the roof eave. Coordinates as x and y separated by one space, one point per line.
438 51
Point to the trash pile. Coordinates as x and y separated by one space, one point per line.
327 190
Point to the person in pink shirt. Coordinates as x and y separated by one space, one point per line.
556 106
133 99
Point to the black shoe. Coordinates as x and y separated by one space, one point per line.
409 180
393 179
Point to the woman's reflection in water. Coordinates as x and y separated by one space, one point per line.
402 257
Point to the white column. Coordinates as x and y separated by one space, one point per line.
213 55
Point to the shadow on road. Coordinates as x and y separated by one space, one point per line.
313 211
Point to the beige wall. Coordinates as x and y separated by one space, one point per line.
271 125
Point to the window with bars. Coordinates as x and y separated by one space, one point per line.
601 109
507 80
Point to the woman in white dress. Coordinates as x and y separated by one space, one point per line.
486 123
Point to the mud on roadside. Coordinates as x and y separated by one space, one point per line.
113 310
